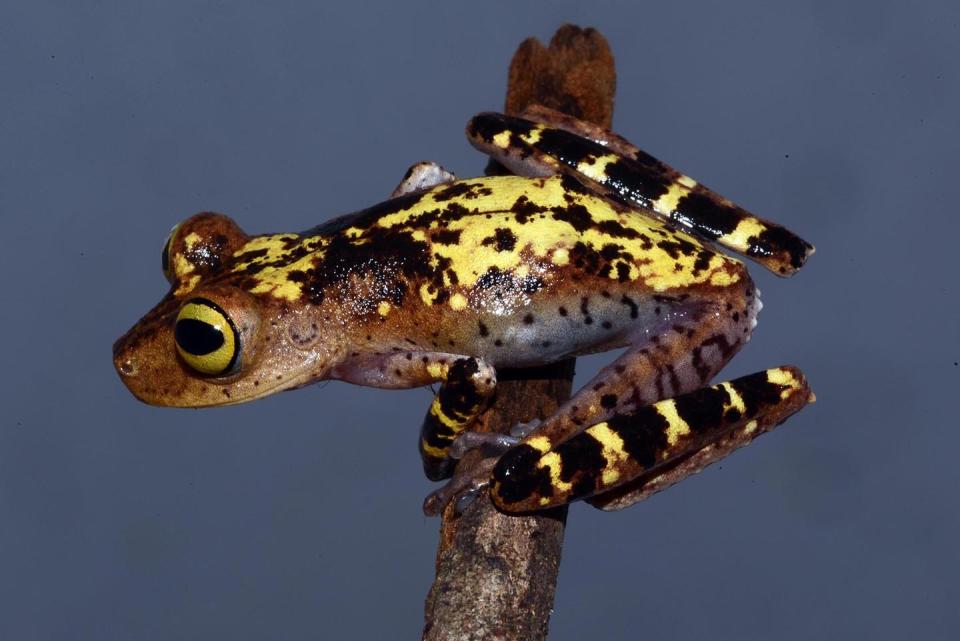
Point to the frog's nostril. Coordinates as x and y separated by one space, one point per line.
127 368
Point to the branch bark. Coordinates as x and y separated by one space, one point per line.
496 574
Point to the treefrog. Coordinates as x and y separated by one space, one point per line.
591 245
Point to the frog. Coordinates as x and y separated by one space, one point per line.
585 244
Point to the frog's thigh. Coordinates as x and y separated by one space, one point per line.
582 128
536 475
525 155
556 143
421 176
685 354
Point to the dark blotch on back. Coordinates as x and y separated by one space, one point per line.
503 239
249 256
575 185
576 215
524 208
677 246
615 229
446 236
366 217
455 190
702 262
409 260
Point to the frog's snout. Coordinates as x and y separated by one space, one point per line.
139 358
129 366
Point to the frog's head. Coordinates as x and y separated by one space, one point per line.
214 339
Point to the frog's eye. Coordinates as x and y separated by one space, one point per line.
206 338
165 262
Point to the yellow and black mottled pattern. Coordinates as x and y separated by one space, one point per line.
463 395
439 244
539 474
642 180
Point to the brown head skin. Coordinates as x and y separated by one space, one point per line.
277 347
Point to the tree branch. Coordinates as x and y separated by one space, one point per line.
496 574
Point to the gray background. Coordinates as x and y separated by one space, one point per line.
298 516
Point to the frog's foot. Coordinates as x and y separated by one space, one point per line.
523 430
491 442
463 488
422 176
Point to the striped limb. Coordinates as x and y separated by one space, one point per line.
658 443
550 142
468 383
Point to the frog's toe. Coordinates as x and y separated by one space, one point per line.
492 442
523 430
463 488
466 499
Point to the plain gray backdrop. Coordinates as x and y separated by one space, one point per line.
298 516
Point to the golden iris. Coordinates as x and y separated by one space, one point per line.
206 338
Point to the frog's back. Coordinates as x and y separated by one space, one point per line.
492 260
494 244
473 230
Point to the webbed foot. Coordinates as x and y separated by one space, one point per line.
491 442
523 430
464 487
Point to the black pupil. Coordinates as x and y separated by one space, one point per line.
196 337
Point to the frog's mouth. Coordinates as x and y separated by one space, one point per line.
199 393
167 382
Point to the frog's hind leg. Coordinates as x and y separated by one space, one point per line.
692 341
681 343
539 474
553 143
422 176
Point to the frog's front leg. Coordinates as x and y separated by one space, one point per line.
466 385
